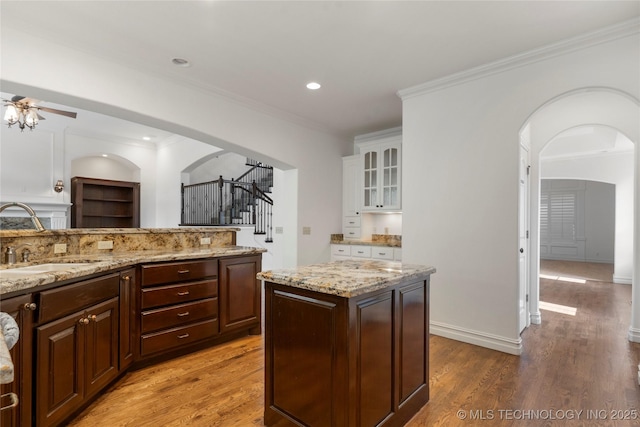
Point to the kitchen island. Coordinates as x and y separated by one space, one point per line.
346 343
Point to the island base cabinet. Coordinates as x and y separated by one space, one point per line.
334 361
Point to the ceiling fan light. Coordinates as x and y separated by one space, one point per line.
11 115
31 118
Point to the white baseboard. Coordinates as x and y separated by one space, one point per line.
494 342
634 335
622 280
536 318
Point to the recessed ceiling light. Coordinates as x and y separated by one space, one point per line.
146 138
313 85
180 62
105 155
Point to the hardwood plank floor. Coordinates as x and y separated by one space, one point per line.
570 364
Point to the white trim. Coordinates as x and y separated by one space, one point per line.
494 342
622 280
634 335
602 35
536 318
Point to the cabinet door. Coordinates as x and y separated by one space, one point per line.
127 317
21 309
101 357
59 371
240 295
370 183
351 186
390 178
381 177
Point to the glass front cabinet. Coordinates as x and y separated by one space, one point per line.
381 175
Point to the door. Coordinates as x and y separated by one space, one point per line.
523 239
240 294
59 369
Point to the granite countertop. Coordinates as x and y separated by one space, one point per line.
346 278
98 263
392 240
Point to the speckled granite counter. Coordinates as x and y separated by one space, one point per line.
346 278
391 240
95 263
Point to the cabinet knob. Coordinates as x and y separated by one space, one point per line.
30 306
83 321
93 318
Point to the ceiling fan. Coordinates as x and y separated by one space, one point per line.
24 112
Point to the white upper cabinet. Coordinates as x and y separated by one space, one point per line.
380 162
351 205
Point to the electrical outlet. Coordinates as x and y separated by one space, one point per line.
105 244
306 230
205 240
279 230
60 248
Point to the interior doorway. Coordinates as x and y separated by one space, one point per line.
589 111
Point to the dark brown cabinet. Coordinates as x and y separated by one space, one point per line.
127 317
240 294
76 346
179 305
100 203
21 309
361 361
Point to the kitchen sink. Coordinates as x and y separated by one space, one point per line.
17 272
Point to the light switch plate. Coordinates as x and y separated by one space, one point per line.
279 230
306 230
205 240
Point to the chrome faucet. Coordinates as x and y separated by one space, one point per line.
30 211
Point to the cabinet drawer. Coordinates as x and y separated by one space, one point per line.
361 251
352 233
155 274
351 221
178 293
56 303
381 253
341 250
176 337
176 315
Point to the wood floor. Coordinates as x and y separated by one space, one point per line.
570 364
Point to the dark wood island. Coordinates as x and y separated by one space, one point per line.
346 344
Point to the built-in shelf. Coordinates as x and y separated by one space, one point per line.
101 203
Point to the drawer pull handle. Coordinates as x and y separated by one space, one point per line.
382 253
340 250
183 271
183 336
183 293
186 313
360 252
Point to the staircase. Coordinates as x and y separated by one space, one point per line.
240 201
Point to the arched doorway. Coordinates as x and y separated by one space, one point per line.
579 108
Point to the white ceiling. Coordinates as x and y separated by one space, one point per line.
264 52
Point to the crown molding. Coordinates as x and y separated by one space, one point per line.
603 35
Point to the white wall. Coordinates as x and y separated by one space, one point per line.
78 79
615 168
460 179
